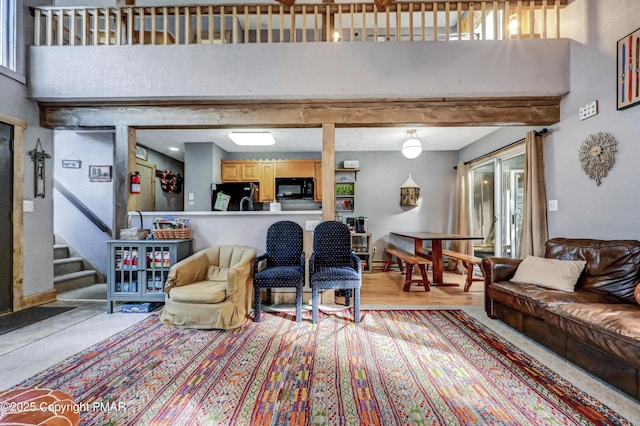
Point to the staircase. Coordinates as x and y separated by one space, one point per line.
72 273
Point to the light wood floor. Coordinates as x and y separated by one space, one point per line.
385 288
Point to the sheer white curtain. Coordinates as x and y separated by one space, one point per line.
534 225
462 224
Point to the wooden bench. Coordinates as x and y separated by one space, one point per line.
467 260
410 260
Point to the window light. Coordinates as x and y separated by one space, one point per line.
252 138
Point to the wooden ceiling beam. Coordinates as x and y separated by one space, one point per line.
539 111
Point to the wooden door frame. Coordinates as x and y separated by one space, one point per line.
17 293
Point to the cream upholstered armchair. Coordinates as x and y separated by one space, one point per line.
210 289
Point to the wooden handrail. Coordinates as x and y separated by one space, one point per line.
300 23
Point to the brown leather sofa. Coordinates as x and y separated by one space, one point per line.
597 327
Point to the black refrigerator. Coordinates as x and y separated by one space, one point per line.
232 196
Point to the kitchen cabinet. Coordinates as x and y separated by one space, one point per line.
138 269
266 178
265 172
362 247
345 190
250 171
230 171
239 171
295 169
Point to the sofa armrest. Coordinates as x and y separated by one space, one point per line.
496 269
189 270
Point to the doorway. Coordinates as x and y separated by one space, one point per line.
498 204
146 199
6 211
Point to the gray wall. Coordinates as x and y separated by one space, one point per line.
202 168
38 226
164 200
302 70
585 209
92 149
377 188
378 193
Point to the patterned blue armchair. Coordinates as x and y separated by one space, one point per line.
332 265
281 266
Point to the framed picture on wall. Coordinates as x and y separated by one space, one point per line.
141 152
628 66
99 173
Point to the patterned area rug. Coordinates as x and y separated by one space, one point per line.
396 367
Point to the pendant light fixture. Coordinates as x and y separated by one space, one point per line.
411 148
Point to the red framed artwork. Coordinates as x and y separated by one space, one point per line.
628 66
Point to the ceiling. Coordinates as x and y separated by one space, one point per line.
310 139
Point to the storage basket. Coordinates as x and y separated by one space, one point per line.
168 234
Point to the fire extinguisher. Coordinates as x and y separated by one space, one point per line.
135 183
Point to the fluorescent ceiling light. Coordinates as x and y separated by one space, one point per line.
173 148
252 138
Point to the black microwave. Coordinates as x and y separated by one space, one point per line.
287 188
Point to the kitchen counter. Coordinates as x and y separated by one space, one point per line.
247 228
229 213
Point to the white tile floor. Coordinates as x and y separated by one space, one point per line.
32 349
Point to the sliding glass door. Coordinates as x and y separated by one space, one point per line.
498 197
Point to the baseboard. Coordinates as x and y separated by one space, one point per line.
39 299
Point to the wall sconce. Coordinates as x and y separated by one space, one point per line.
411 148
410 193
38 156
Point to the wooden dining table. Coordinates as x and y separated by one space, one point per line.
435 256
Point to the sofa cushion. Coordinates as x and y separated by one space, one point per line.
613 267
550 273
217 273
533 300
612 328
200 292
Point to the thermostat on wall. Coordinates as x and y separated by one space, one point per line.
351 164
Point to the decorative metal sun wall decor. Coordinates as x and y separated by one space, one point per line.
597 155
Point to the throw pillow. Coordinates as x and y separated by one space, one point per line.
549 273
217 273
637 294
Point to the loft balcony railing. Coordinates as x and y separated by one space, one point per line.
303 23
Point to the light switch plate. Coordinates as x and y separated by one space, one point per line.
553 205
27 205
588 110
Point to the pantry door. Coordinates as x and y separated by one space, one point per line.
146 199
6 210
